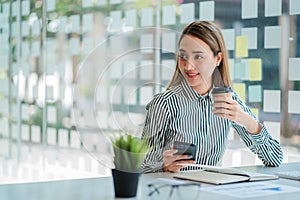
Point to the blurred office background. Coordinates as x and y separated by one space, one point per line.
74 72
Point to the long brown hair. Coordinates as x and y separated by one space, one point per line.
209 33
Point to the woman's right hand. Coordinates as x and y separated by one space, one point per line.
171 161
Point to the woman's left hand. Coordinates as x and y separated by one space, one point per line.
228 108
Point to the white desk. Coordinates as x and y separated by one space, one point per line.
102 188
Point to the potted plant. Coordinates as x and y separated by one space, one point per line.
129 153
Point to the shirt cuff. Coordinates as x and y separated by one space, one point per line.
262 137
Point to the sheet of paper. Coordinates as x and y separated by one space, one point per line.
63 138
130 69
87 3
87 22
274 129
252 189
187 13
229 38
51 114
255 70
130 95
25 132
273 8
74 46
241 47
146 70
249 9
207 10
36 134
251 34
272 101
75 23
51 5
116 17
25 7
25 28
146 43
131 18
294 7
116 94
168 15
147 17
293 102
272 37
294 69
146 94
51 136
169 42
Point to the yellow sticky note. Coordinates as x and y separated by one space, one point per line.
255 111
241 47
240 89
255 70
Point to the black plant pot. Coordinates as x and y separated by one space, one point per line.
125 183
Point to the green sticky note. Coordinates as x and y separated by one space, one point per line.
255 70
239 71
240 89
241 47
254 92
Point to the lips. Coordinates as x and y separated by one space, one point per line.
192 75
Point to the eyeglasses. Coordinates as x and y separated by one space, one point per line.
165 191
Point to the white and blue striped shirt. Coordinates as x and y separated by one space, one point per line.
181 114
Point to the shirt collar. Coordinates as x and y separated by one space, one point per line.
192 94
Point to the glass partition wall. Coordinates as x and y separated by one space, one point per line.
74 72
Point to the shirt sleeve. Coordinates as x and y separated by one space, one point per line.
156 125
267 149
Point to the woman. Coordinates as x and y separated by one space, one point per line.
185 111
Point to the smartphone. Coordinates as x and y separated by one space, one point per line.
184 148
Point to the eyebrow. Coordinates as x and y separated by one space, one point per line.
182 50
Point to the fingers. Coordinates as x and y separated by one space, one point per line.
175 167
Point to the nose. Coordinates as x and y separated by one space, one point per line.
188 65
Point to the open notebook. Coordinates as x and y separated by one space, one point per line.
219 175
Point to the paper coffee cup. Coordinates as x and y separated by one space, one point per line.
221 92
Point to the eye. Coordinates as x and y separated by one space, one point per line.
182 56
198 57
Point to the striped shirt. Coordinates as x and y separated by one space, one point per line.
181 114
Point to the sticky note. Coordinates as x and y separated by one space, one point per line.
249 9
228 35
251 34
51 114
168 15
273 8
35 30
241 47
272 37
146 17
239 71
207 10
87 45
131 18
274 129
146 94
255 70
187 13
25 28
254 93
74 46
168 42
87 3
294 69
294 7
25 132
255 111
75 23
114 1
293 102
240 89
272 101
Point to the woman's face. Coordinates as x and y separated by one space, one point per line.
197 63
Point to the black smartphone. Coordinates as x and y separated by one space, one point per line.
185 148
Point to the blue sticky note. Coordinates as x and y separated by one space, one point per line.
239 71
254 93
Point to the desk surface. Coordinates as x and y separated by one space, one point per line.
102 188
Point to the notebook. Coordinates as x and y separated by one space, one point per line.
219 175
